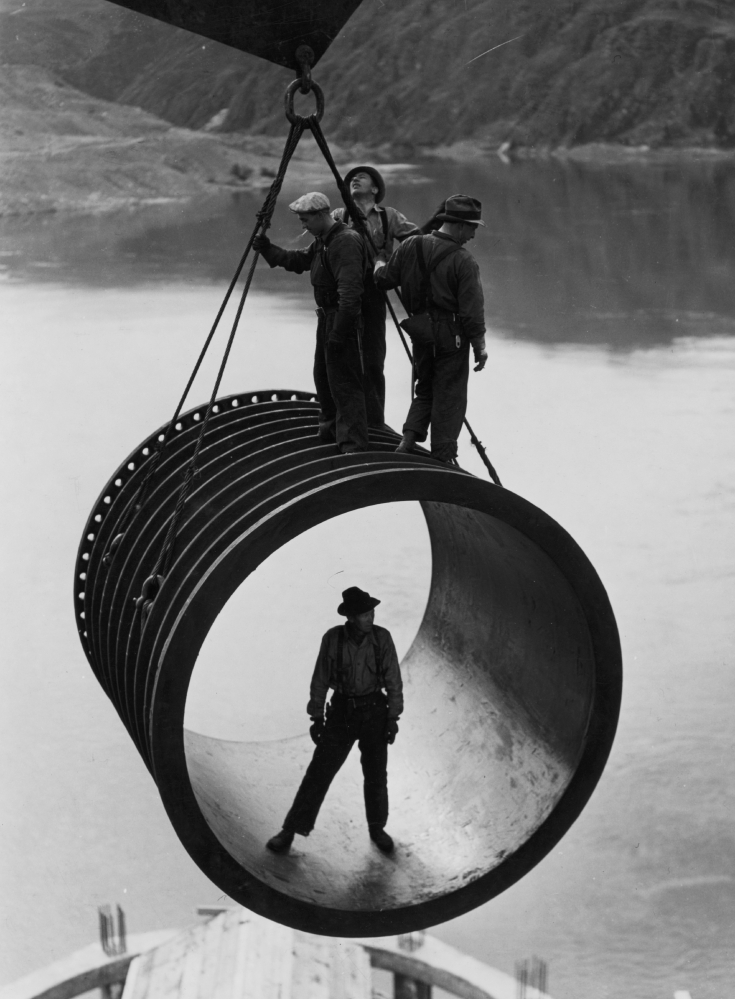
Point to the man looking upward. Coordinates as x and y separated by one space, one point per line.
337 262
386 227
358 661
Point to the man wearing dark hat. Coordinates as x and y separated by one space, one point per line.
386 226
440 282
337 261
358 661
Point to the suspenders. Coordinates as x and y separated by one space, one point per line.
341 671
341 677
383 222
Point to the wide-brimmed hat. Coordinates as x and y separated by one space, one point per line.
356 601
310 203
379 182
461 208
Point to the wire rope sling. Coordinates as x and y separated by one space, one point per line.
514 674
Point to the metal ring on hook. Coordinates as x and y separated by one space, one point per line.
513 681
318 93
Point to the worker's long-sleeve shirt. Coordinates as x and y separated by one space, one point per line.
455 281
367 667
337 263
386 226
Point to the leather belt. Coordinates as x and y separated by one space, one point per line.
444 314
354 701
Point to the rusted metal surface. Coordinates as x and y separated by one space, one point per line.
513 681
273 31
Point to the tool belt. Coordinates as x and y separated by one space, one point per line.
421 325
351 703
441 330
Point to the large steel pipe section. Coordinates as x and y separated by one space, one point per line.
512 683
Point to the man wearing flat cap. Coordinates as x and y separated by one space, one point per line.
358 662
386 227
441 289
337 261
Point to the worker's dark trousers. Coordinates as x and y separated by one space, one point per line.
373 348
339 387
361 720
441 391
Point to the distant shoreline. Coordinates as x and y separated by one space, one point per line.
93 194
255 160
592 152
64 151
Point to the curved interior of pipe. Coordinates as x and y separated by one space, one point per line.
498 687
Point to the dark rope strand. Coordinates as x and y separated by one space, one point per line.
264 217
477 444
262 222
164 559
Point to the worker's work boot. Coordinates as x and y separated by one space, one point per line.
407 442
381 839
281 842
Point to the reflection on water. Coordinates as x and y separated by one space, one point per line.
621 256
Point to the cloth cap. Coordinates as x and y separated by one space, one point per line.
314 201
356 601
461 208
377 178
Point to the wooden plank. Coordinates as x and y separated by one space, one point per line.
275 944
264 959
329 968
132 979
212 939
350 971
239 955
167 968
192 970
245 975
175 970
223 985
310 967
139 984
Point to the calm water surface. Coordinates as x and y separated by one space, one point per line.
607 402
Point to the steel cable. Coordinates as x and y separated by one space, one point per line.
263 221
262 224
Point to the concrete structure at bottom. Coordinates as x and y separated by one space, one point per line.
235 954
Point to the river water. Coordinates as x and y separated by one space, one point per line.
607 401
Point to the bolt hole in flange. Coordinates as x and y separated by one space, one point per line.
512 679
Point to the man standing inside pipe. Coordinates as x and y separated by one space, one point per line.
386 227
358 661
441 289
337 261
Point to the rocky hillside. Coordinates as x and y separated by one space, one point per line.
413 72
